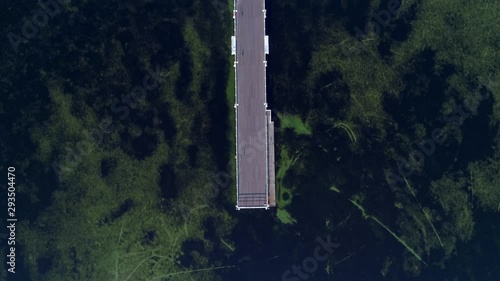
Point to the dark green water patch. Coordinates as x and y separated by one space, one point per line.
420 105
167 124
190 249
218 112
422 98
164 9
74 260
205 89
219 251
148 237
169 36
31 95
286 196
332 95
124 207
169 189
401 28
192 152
478 136
44 264
45 181
107 166
260 251
354 14
182 91
210 230
144 145
397 29
291 54
146 141
384 48
126 37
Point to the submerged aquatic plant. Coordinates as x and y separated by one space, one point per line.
348 129
193 271
367 216
425 213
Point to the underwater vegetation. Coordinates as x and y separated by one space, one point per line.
119 117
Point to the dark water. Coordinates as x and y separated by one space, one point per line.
421 102
264 248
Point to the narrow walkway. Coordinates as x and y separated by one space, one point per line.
254 128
